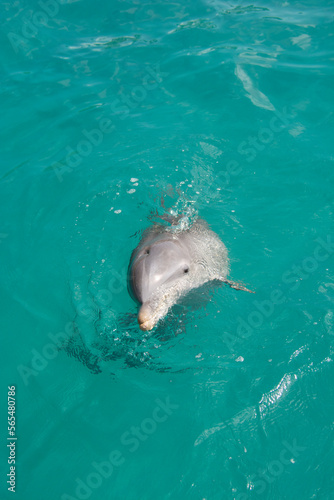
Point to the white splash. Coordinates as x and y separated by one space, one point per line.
303 41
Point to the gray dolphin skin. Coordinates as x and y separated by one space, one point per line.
169 262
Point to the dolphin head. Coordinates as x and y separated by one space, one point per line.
158 271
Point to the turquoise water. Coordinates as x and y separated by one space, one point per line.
225 111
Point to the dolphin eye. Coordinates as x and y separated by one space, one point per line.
147 251
186 270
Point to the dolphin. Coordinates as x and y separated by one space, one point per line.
169 262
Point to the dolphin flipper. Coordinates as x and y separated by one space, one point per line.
235 285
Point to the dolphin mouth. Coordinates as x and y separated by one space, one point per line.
145 318
146 326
